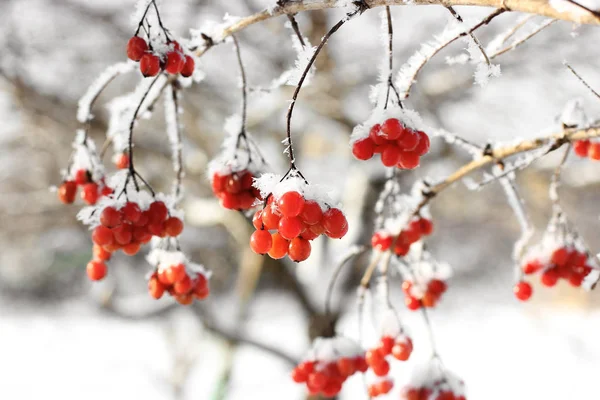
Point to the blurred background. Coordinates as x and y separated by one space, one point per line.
63 337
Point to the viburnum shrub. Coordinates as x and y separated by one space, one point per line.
289 213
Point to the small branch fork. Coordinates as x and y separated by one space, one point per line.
471 34
390 80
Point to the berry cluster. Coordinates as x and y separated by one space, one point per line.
127 228
565 262
426 295
181 279
433 382
235 190
436 392
400 347
174 60
296 221
398 144
586 148
417 228
325 374
90 190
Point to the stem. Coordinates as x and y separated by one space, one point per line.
471 34
179 152
131 126
296 29
244 86
587 85
335 28
354 253
390 83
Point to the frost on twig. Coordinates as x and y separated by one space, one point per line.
84 110
172 115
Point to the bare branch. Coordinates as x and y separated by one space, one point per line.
582 80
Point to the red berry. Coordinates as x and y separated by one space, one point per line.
188 67
270 219
173 226
437 286
218 183
429 299
102 236
424 144
311 213
425 226
581 147
100 253
290 227
360 364
372 391
123 234
409 160
82 177
523 291
531 267
385 345
412 303
230 201
384 386
549 277
280 246
141 234
175 62
335 223
89 193
183 286
560 256
131 212
96 270
408 141
594 151
406 286
317 380
381 369
373 357
376 136
299 249
136 47
290 204
299 376
67 192
149 65
261 242
155 288
381 241
110 217
346 366
122 161
332 388
402 350
392 129
390 155
363 149
131 249
157 212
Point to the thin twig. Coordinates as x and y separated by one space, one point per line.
523 40
582 80
471 34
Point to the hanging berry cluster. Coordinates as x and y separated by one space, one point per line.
392 134
417 229
85 171
125 221
563 262
432 382
330 363
176 275
297 214
587 149
158 52
234 190
423 295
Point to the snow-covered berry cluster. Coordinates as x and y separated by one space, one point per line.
234 190
563 262
156 57
587 148
425 294
85 171
177 276
331 361
295 214
432 382
125 221
394 135
417 228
